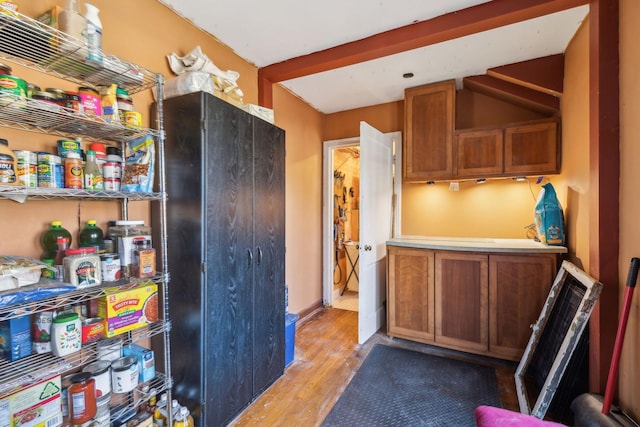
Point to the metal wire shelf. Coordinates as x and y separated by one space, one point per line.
76 297
38 116
28 42
34 45
42 193
36 367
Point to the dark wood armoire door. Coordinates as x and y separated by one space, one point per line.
225 219
268 228
228 282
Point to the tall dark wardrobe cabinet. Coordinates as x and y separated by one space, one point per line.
225 219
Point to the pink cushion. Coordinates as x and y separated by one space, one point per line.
488 416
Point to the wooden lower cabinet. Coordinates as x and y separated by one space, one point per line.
410 287
483 303
461 301
518 288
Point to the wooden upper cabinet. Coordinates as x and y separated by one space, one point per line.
435 151
529 148
429 128
532 148
479 153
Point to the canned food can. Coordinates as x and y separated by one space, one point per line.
110 349
50 171
133 119
112 170
27 167
124 374
92 329
110 266
112 184
65 146
100 371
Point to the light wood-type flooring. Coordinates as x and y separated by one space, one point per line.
327 355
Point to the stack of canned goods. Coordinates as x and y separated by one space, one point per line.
66 168
85 101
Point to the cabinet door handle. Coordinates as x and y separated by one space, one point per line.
259 261
367 247
249 258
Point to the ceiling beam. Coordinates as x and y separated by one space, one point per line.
475 19
482 17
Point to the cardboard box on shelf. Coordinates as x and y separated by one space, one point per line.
15 337
37 405
146 361
50 17
128 309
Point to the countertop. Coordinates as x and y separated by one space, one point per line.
475 244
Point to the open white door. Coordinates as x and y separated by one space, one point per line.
376 207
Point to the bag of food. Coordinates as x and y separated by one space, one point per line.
139 165
16 271
549 217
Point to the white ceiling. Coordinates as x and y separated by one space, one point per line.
267 32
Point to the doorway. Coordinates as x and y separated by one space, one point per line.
346 227
342 163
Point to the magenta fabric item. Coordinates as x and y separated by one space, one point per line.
488 416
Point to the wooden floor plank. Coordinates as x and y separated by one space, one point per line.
327 355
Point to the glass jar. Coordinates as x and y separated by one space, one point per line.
59 95
74 103
82 398
48 101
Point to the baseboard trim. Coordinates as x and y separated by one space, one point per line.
308 312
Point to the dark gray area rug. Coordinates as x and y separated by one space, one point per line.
398 387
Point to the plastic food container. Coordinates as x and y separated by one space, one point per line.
65 334
82 267
125 234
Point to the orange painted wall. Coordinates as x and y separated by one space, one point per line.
629 378
574 182
303 207
346 124
145 32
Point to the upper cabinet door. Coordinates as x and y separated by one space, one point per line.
479 153
532 148
429 127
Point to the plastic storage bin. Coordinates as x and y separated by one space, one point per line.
289 337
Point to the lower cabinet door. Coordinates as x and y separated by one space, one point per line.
410 294
461 301
518 289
